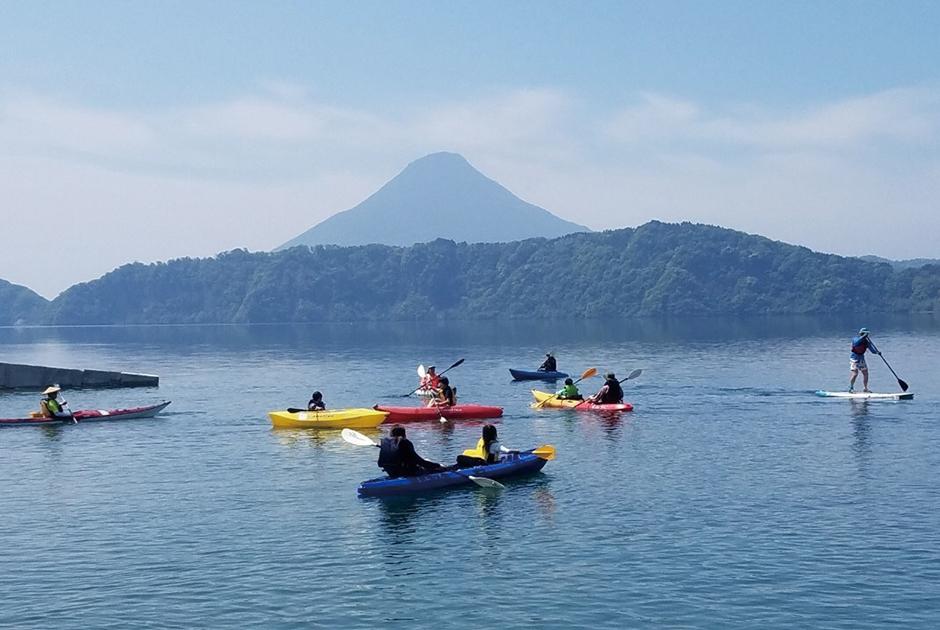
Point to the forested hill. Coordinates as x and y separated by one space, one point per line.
656 269
20 305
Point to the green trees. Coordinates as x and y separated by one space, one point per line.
655 269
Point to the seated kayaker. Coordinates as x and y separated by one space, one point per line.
487 451
549 364
430 381
569 391
611 393
316 402
51 406
446 395
397 456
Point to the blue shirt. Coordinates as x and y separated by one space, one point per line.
865 343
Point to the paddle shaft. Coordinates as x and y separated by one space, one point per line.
902 384
459 362
581 378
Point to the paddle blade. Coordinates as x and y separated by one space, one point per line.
484 482
444 420
588 373
546 452
421 372
632 375
459 362
903 385
354 437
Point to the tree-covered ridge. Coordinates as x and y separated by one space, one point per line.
19 304
656 269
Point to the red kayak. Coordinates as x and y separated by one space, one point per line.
90 415
453 412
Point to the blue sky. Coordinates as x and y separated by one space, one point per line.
212 125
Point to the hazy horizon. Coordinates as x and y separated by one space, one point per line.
134 132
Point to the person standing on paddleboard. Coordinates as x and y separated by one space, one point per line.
857 364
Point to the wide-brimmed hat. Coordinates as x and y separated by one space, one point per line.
52 389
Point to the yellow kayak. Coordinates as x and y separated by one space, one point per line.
329 419
580 405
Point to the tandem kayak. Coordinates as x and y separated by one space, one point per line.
453 412
90 415
535 375
330 419
514 464
866 395
580 405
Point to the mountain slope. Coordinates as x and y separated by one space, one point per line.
19 304
909 263
439 196
656 269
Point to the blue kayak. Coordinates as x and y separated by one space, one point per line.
513 464
535 375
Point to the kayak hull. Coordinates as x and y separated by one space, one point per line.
515 464
330 419
866 395
535 375
90 415
557 403
455 412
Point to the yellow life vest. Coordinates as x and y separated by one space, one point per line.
476 452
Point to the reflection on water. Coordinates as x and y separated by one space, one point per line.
756 485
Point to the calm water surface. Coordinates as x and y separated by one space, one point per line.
731 497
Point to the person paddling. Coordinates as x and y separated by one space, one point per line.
569 391
398 458
857 364
549 364
431 381
52 407
316 402
610 393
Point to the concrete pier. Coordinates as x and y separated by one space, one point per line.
19 376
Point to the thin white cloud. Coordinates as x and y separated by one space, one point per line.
255 170
899 115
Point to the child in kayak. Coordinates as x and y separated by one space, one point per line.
569 391
446 395
397 456
316 402
487 451
549 364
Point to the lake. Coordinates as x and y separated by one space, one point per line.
730 498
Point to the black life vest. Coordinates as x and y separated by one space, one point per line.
614 393
389 456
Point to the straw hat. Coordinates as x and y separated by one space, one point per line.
52 389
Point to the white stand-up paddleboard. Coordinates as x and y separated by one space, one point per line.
867 395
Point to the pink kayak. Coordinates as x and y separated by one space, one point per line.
90 415
453 412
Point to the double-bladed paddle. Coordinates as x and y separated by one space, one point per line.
456 363
632 375
588 373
